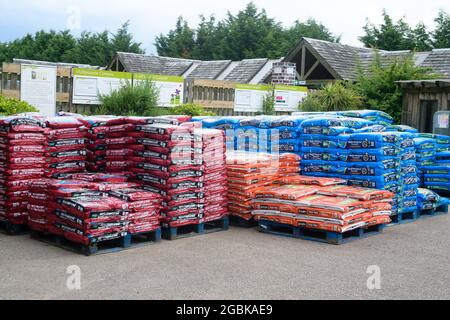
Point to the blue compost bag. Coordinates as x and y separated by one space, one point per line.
283 133
316 167
290 121
371 140
408 169
410 179
318 154
408 205
372 183
320 141
437 178
369 155
406 139
363 169
436 169
424 144
286 145
443 156
374 128
402 128
428 195
372 115
408 155
409 193
327 131
223 123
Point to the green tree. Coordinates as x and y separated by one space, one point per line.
90 48
309 29
336 96
441 34
379 87
248 34
422 38
389 35
178 42
122 40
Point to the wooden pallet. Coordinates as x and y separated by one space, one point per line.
323 236
175 233
12 229
118 244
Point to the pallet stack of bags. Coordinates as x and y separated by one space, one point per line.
248 172
212 150
22 148
142 208
108 141
425 155
65 147
336 208
168 166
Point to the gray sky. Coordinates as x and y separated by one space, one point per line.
149 18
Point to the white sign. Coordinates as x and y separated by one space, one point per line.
250 97
38 87
288 98
171 88
89 84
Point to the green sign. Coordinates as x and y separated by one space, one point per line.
256 87
291 88
101 74
158 78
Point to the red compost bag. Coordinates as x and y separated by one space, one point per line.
288 192
362 194
306 180
63 123
132 194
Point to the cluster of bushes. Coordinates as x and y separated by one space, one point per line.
11 106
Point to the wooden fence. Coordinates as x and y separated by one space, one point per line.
215 96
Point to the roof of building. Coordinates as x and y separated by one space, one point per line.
343 61
55 64
236 71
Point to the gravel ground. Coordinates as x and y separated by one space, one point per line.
414 260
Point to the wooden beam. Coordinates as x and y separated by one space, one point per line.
11 68
302 70
314 66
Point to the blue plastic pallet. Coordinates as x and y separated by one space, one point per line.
404 217
239 222
110 246
12 229
175 233
441 210
323 236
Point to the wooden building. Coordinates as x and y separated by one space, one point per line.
422 99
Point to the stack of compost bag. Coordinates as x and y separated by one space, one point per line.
108 142
170 165
247 172
212 150
335 209
65 147
142 207
425 155
22 159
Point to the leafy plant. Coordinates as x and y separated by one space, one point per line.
269 103
138 99
11 106
379 88
191 109
336 96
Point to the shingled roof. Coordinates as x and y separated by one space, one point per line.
140 63
208 69
343 61
439 61
236 71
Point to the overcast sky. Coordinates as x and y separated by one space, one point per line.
149 18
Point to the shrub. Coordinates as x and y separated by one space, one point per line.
190 109
336 96
140 99
379 87
11 106
269 103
